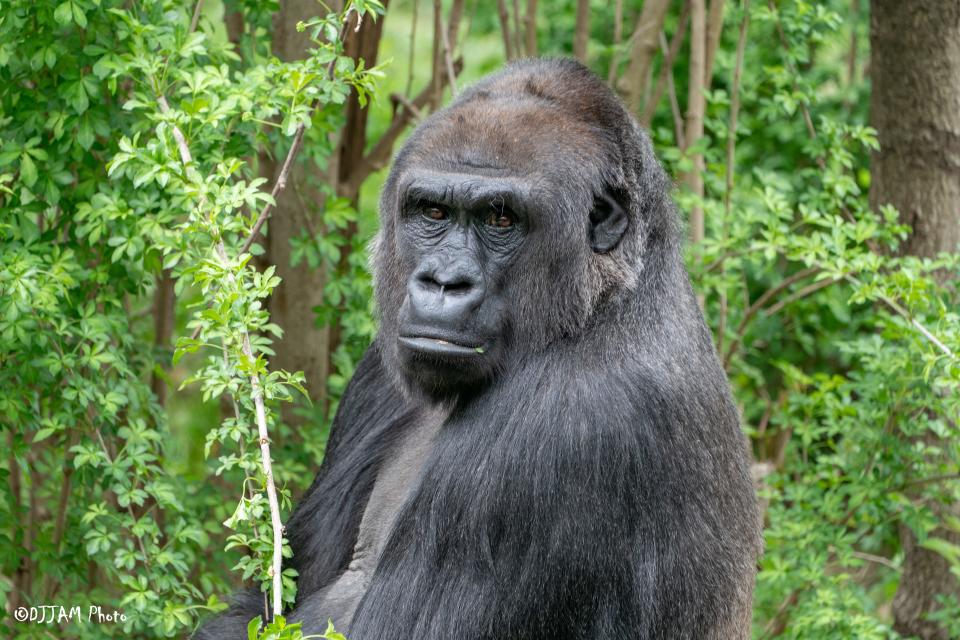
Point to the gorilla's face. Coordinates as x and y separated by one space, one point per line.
461 234
502 227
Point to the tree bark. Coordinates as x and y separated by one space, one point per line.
581 35
915 107
304 346
645 44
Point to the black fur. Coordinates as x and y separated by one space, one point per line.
595 483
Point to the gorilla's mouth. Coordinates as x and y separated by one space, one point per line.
444 347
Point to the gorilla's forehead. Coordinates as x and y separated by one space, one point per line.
519 137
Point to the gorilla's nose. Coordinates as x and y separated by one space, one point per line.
445 295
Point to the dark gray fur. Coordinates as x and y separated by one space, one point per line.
596 484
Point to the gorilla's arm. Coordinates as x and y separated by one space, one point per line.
322 529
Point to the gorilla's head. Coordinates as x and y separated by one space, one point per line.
512 219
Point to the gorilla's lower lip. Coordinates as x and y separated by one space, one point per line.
439 346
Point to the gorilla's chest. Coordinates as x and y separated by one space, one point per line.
396 478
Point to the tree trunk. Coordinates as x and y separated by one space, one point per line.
915 107
304 346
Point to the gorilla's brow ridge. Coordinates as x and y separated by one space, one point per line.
453 190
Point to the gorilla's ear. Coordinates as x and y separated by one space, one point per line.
608 222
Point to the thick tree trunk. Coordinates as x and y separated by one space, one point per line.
915 106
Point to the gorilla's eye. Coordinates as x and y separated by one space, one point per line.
498 218
434 213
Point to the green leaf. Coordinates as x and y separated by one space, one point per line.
28 170
43 434
253 627
63 13
79 16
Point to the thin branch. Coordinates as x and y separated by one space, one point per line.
714 31
295 147
869 557
581 34
617 37
931 479
404 101
448 61
196 16
761 301
378 157
666 68
674 103
413 47
696 107
731 152
811 288
517 38
505 28
531 26
907 316
275 521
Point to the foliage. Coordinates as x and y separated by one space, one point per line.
105 187
820 324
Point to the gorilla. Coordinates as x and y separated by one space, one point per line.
540 443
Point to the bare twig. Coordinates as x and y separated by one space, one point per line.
869 557
811 288
731 152
413 47
404 101
196 16
666 68
714 30
379 155
617 37
581 34
530 22
517 38
696 106
674 103
448 61
275 521
505 28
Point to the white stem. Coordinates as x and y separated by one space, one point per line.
257 396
